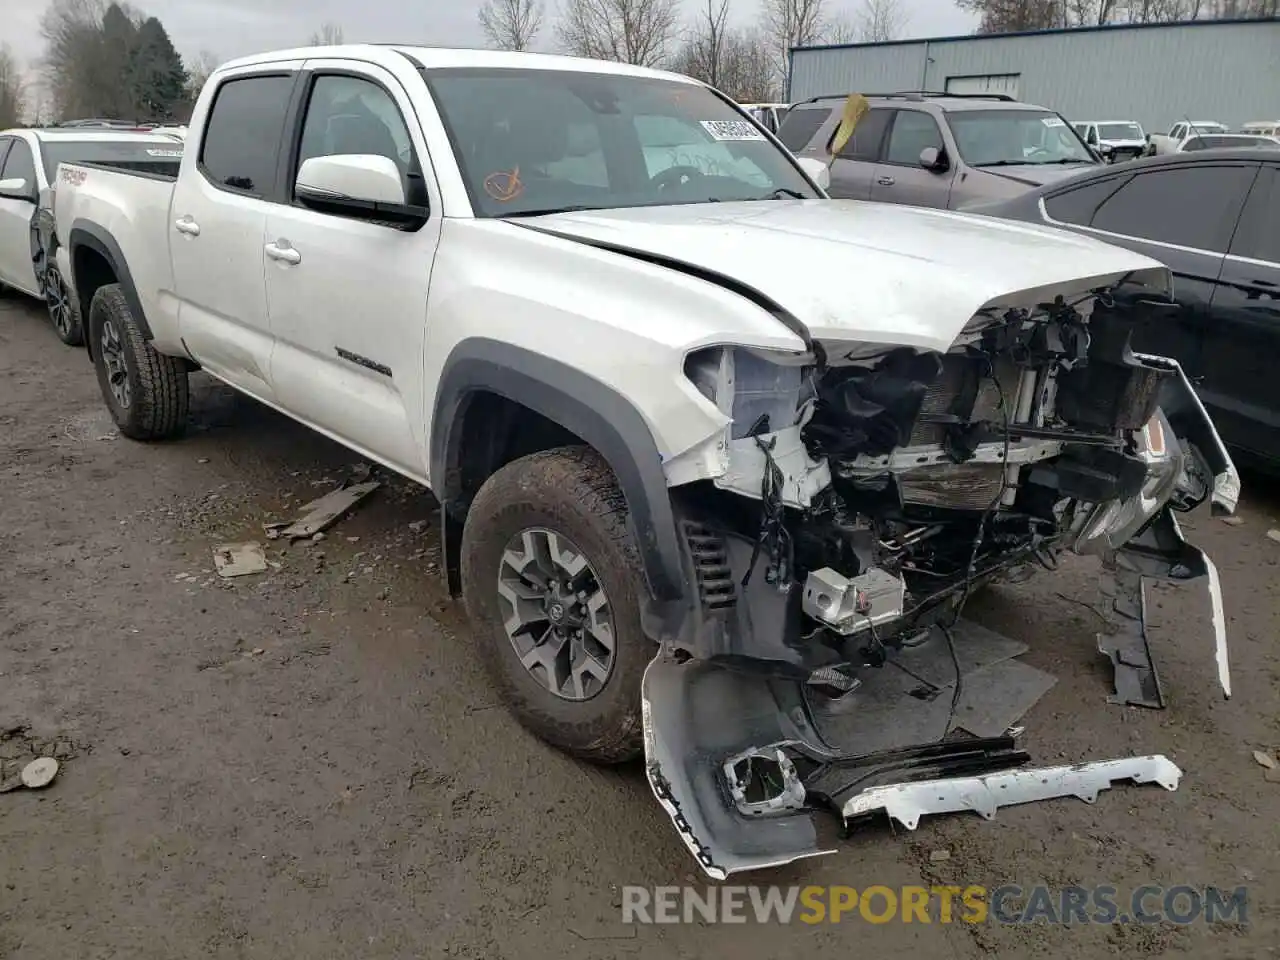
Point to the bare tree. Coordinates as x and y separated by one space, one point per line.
705 46
87 49
791 23
329 35
198 70
742 65
628 31
880 20
12 88
843 29
511 24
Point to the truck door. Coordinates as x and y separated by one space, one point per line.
17 212
900 177
217 224
347 294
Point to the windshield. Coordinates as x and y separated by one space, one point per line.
1119 131
995 138
136 153
543 141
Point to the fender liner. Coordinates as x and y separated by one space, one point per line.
87 234
580 404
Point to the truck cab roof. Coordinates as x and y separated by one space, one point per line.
431 58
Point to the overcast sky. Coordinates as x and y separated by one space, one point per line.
231 28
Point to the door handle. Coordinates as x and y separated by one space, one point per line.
188 226
885 181
282 252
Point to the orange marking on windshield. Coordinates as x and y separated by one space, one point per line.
504 185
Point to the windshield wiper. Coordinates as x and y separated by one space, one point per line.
577 208
1001 163
1050 163
784 192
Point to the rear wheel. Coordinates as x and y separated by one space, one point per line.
552 579
63 313
146 391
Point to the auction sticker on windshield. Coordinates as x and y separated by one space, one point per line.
731 130
164 153
1052 122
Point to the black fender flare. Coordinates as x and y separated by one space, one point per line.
93 237
582 405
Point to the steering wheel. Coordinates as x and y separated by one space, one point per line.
673 178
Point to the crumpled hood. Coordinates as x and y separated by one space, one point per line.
855 271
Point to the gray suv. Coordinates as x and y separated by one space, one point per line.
939 149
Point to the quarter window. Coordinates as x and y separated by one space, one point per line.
1191 206
242 138
1078 204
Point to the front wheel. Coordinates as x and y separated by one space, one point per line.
63 313
552 579
146 392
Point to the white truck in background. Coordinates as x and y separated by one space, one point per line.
702 437
1160 144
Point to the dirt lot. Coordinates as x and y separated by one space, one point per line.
309 763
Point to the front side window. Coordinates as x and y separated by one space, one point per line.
912 132
350 115
999 138
542 141
19 165
1194 207
242 138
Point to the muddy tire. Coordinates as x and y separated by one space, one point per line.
145 391
63 312
552 579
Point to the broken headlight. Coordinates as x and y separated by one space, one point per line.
1113 524
750 385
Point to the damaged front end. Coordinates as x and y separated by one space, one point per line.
860 495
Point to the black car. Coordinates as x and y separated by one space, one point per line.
1213 217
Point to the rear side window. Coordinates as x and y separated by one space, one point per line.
242 138
1191 206
1258 236
800 126
1079 204
867 137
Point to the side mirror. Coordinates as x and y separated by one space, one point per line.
356 177
817 170
17 188
933 160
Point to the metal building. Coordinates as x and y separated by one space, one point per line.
1156 74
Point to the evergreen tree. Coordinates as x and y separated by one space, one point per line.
155 77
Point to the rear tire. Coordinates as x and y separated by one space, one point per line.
146 392
560 510
63 312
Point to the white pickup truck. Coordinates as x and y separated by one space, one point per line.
1159 144
710 447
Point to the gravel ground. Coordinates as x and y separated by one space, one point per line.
309 763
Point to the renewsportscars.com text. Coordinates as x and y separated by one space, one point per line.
1008 904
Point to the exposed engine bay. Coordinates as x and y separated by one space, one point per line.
867 493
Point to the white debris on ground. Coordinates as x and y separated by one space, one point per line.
239 559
